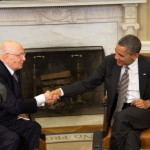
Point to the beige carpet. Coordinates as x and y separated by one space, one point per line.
69 124
67 141
70 137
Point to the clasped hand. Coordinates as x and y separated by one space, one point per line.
53 96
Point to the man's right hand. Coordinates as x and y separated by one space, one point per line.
53 96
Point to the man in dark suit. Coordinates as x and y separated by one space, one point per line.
16 131
134 115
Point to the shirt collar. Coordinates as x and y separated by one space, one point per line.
10 70
134 65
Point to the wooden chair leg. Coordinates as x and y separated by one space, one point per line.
42 144
42 141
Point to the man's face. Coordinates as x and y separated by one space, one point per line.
15 57
123 57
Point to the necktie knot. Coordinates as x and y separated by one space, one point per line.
126 68
125 74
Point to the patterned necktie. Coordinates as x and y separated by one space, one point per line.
122 92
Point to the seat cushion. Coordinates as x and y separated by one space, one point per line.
145 139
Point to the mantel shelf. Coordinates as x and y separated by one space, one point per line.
63 3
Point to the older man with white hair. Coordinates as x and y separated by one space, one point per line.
16 132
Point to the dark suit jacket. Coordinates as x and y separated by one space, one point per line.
11 102
109 73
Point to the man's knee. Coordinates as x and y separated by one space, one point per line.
121 117
36 128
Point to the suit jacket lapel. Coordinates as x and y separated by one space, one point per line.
12 84
115 79
142 75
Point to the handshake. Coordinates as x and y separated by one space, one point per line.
53 96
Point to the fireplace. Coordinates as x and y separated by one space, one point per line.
51 68
65 23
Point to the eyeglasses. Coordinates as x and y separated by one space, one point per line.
18 55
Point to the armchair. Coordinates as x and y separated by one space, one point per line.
104 135
106 132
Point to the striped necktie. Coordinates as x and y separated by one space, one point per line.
123 87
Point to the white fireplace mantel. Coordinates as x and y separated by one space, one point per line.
57 3
61 23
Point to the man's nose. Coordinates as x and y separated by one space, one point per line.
24 58
116 56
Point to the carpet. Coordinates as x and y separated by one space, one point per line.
69 141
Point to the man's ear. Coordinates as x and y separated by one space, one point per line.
136 55
4 56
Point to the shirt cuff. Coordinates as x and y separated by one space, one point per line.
62 93
40 99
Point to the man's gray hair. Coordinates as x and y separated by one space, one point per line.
131 42
2 48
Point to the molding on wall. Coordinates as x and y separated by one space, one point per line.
63 3
102 20
130 24
68 15
145 47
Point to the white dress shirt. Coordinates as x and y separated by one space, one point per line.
133 87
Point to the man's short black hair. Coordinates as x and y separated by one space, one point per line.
131 42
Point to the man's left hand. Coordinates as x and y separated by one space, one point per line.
140 103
